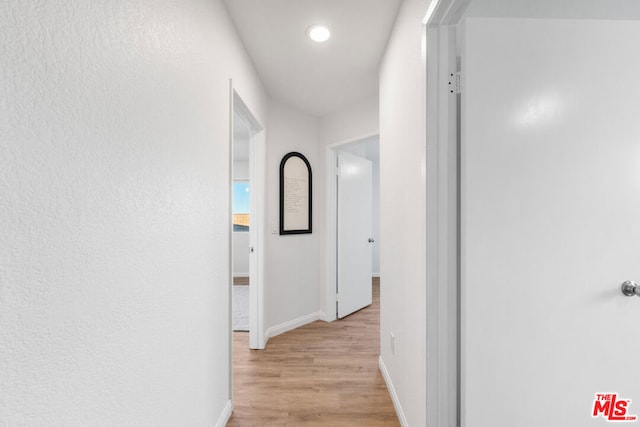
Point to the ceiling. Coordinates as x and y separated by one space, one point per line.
316 78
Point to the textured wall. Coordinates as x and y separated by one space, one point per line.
114 177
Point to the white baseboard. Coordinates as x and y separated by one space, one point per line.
240 274
392 392
375 275
292 324
323 316
226 414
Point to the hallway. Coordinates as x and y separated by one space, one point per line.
319 374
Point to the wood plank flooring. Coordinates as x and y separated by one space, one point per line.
240 280
322 374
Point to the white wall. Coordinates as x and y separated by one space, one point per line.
114 175
240 170
352 122
402 212
291 263
240 254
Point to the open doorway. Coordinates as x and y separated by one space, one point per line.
241 215
353 200
247 167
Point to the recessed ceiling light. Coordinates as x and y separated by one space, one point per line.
319 33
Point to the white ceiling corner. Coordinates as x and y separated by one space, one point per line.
316 78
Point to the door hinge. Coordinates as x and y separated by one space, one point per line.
454 83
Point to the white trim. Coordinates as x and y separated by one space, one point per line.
443 352
235 274
330 285
392 392
230 244
323 316
223 419
445 12
293 324
377 274
430 11
331 231
258 152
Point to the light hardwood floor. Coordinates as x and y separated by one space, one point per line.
240 280
322 374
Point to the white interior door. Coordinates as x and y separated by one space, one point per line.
354 233
550 221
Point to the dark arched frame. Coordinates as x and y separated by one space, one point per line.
289 196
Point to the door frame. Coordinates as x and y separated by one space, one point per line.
443 311
257 161
330 297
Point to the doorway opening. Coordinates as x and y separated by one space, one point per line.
353 192
241 215
247 169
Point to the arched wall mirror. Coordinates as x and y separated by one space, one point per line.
295 194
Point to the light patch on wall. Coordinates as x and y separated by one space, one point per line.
350 170
538 111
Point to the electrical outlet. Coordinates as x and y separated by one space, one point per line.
393 343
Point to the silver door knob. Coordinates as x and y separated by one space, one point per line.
630 288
